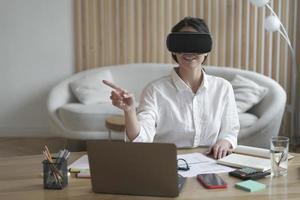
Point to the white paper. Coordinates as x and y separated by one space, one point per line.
201 164
198 163
82 163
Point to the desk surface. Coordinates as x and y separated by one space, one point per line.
20 178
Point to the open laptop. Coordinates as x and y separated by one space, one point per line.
147 169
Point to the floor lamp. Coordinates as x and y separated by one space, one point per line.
273 23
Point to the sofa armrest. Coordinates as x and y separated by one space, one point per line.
259 136
60 95
273 104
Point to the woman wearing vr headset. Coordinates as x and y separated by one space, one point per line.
189 107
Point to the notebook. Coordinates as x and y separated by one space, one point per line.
240 161
147 169
255 151
246 156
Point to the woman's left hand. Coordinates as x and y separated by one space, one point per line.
220 149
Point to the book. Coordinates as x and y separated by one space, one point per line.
246 156
250 186
254 151
240 161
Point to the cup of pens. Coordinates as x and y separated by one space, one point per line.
279 155
55 169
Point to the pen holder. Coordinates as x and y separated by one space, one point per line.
55 174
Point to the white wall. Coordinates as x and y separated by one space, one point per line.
36 51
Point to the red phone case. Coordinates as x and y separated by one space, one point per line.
209 185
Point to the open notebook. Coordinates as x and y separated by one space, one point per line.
246 156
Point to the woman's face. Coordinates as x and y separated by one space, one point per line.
189 59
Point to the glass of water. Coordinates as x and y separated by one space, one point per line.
279 155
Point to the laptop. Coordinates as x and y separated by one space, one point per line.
146 169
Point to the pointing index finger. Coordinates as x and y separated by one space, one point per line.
112 85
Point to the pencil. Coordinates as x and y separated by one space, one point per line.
57 175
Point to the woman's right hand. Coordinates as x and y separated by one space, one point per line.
121 98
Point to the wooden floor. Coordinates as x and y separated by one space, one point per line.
32 146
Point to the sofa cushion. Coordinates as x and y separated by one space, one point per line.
80 117
247 93
247 120
90 89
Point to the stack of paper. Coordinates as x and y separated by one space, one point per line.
198 163
201 164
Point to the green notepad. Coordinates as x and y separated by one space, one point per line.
250 186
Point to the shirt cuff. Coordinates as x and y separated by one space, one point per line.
142 137
232 141
138 138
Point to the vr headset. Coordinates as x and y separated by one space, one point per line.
189 42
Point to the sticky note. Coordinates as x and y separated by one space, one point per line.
250 186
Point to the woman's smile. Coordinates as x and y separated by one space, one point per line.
189 57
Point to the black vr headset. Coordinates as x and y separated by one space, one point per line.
189 42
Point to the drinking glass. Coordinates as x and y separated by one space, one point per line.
279 155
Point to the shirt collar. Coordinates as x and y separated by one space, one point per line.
181 85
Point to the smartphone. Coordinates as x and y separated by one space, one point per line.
211 181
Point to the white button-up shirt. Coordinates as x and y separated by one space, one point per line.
170 112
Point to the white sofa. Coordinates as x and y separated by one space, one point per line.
74 120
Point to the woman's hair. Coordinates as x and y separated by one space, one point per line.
196 23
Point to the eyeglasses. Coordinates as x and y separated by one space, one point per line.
182 165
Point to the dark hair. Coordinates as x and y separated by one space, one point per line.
196 23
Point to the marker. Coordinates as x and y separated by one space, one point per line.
74 170
77 170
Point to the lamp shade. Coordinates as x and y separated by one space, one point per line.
259 3
272 23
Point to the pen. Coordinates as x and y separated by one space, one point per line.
60 155
55 172
67 155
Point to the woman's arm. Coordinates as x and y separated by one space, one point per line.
132 124
227 139
125 101
230 125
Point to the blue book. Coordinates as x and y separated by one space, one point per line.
250 186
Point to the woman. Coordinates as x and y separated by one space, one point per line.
188 108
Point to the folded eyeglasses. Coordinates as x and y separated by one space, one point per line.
182 165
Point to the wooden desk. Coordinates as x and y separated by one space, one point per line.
20 178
